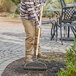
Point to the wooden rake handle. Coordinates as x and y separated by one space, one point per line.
38 40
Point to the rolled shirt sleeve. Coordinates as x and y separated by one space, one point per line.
43 2
30 7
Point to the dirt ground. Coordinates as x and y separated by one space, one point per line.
53 63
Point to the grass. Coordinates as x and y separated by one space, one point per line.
25 75
51 58
39 74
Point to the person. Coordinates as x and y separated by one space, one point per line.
30 15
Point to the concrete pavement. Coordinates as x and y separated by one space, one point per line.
12 43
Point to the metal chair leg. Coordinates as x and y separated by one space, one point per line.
61 34
52 32
51 29
73 30
64 31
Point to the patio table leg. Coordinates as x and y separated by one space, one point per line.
68 31
56 32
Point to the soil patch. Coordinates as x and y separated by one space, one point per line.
54 63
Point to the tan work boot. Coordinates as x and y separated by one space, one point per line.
29 59
39 53
42 56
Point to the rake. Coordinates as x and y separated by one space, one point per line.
37 65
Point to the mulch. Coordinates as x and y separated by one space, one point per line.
54 63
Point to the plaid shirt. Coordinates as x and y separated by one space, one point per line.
30 9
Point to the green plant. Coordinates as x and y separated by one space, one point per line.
13 15
25 75
16 1
48 14
49 5
70 59
6 5
69 1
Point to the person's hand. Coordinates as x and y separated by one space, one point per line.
38 26
43 4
